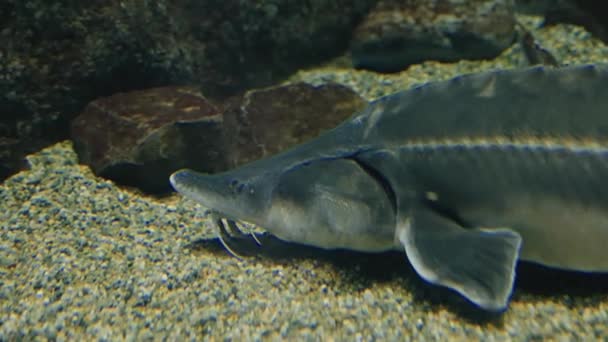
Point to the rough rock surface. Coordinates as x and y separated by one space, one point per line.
139 138
57 56
396 34
270 120
590 14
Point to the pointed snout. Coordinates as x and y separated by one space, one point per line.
200 187
180 178
230 193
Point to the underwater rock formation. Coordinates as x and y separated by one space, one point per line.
397 34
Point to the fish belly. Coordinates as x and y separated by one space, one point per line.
556 232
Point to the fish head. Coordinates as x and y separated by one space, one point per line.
237 195
329 203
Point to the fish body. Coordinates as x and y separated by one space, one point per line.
467 176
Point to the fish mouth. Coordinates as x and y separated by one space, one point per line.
205 190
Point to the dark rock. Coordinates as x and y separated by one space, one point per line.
590 14
255 43
397 33
139 138
59 55
267 121
541 7
11 156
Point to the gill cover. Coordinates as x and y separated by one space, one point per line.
332 203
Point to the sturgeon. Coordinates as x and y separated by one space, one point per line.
466 176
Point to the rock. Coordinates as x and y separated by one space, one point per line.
589 14
267 121
11 152
397 33
139 138
541 7
57 56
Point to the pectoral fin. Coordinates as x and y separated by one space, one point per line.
479 264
